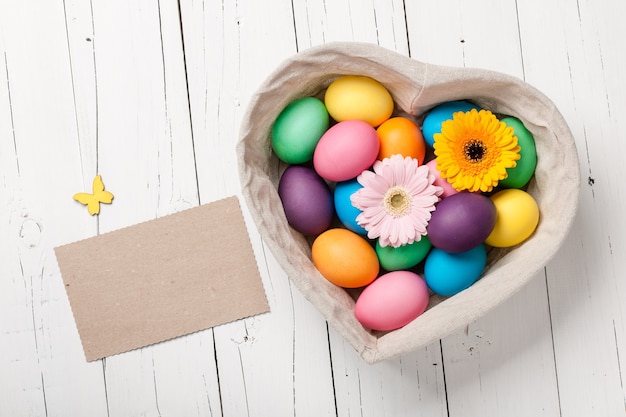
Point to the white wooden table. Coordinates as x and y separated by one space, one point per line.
150 94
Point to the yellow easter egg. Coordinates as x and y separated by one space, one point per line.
355 97
345 258
517 217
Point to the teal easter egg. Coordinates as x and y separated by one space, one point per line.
403 257
450 273
439 114
346 212
298 129
519 175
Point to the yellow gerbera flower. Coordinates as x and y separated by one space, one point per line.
474 149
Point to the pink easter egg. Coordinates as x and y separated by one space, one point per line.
392 301
448 189
345 150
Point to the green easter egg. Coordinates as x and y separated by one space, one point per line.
519 175
403 257
298 128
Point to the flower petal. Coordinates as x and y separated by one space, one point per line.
392 225
463 173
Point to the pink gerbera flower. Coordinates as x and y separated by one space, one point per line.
396 200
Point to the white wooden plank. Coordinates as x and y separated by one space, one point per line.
391 25
190 360
456 33
276 363
373 21
435 31
412 384
229 51
491 40
80 43
21 375
301 332
145 148
497 363
506 357
43 368
585 282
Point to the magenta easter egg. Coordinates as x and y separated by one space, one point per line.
461 222
345 150
448 189
392 301
306 199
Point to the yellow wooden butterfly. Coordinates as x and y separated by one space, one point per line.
92 201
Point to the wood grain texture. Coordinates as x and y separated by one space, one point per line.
586 294
277 363
150 95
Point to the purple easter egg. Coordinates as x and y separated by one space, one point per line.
306 199
461 222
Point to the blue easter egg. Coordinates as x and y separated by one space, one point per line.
436 116
449 273
346 212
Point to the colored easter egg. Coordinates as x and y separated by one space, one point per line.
355 97
519 175
400 135
461 222
346 212
450 273
403 257
392 301
345 258
345 150
448 189
517 217
306 199
439 114
297 130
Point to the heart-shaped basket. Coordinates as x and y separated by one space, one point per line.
416 87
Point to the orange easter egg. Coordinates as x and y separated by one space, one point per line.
345 258
400 135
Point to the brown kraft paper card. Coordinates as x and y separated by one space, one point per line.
161 279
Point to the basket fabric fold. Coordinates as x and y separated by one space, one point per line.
416 87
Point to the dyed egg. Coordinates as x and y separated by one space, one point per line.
448 189
355 97
436 116
517 218
306 199
297 130
392 301
461 222
400 135
345 150
403 257
450 273
346 212
519 175
345 258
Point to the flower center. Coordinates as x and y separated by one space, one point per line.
397 201
474 150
